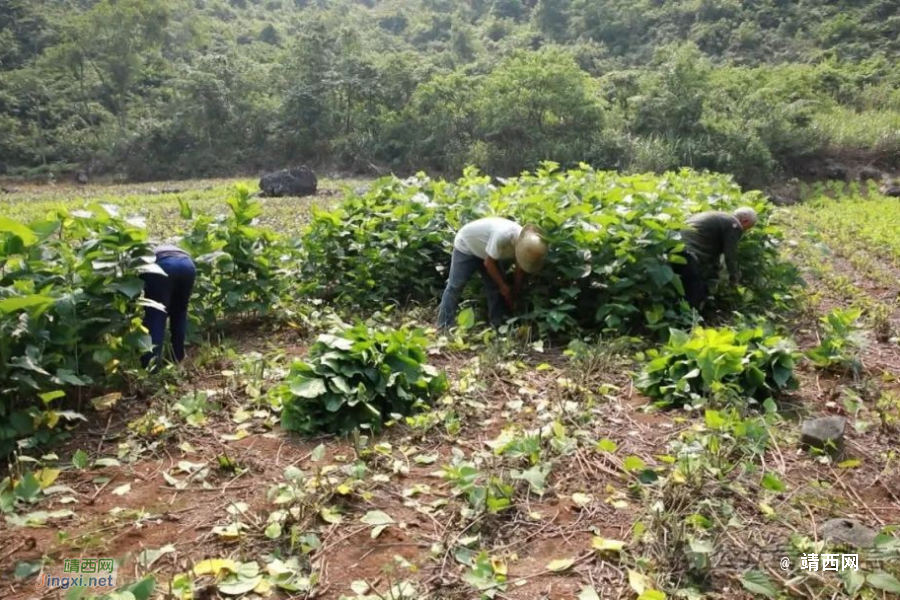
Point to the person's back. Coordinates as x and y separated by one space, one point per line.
173 291
711 234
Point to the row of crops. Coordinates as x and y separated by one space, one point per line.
70 288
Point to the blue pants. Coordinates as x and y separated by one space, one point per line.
462 267
173 292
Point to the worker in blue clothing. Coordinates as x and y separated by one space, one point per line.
173 291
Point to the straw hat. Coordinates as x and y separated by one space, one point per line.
531 249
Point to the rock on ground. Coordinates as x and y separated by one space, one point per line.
289 182
848 531
891 189
825 433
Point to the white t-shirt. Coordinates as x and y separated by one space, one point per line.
493 236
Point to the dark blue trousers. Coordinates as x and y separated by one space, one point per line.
174 292
462 268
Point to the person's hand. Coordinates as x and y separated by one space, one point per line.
507 297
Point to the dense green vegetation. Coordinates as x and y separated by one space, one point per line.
187 88
612 240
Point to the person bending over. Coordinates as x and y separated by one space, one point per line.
480 246
173 291
708 237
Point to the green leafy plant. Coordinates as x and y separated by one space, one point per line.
483 491
70 306
243 269
359 376
613 240
840 342
718 363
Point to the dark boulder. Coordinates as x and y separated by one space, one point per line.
848 531
833 170
824 433
289 182
891 189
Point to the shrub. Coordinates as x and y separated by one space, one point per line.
359 377
242 270
715 363
612 238
841 342
69 312
71 307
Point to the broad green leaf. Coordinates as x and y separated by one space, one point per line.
25 569
607 445
634 463
308 388
273 531
465 320
25 234
46 477
770 481
883 581
318 453
759 583
14 304
331 515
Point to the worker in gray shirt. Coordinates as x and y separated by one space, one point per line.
708 237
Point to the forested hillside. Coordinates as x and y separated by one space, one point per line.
178 88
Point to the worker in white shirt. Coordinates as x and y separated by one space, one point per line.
480 246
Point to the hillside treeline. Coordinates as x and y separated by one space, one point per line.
178 88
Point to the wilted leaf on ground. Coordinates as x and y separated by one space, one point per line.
46 477
560 564
331 515
104 403
639 582
588 593
149 556
215 566
582 500
602 544
122 490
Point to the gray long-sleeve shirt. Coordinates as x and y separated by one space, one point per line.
709 236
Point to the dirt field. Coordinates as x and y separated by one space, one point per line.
197 471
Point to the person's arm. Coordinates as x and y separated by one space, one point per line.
520 280
493 269
730 250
